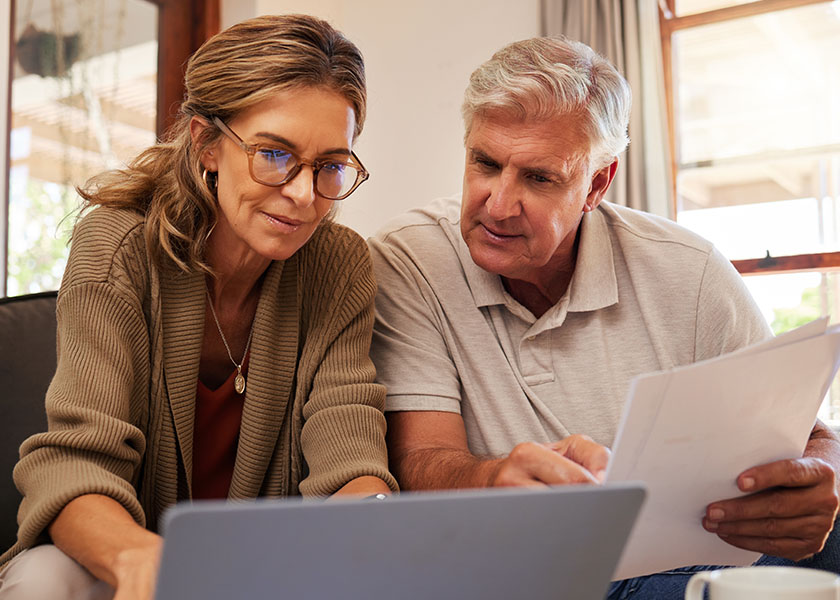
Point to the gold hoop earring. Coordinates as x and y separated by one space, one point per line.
213 184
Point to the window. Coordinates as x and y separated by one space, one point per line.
91 85
753 93
83 97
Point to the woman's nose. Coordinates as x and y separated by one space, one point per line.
301 188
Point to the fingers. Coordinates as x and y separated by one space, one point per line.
789 515
801 472
808 527
791 548
794 538
776 503
584 451
786 537
783 489
535 465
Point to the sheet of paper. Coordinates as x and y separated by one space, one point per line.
815 327
689 432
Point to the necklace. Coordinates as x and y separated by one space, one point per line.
239 380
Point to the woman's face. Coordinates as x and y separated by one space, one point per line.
274 222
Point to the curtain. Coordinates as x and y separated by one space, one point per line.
626 32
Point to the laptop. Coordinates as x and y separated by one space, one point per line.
561 542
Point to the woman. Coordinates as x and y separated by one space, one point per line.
213 323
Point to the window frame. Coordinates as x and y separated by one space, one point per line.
183 25
670 23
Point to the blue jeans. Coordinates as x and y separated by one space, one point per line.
670 585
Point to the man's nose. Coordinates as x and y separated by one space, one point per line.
504 200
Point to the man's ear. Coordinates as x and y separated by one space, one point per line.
601 181
208 158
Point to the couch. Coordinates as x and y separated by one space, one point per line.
27 364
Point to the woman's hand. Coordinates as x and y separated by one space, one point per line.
136 570
363 487
100 534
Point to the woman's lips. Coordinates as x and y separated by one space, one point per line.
281 223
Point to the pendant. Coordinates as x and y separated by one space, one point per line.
239 383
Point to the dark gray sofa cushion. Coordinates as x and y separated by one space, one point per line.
27 364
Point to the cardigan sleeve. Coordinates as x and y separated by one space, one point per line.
343 435
97 397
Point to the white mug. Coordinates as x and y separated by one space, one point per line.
765 583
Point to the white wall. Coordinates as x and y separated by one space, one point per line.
419 55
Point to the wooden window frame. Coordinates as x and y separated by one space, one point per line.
669 23
183 25
7 163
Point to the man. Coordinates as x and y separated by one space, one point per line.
509 327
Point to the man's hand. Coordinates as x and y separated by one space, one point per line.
789 513
575 459
428 450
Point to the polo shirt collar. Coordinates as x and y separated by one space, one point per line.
593 284
486 287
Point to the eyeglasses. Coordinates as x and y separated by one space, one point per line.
275 166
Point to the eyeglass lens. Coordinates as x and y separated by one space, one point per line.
333 180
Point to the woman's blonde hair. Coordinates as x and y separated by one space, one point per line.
231 72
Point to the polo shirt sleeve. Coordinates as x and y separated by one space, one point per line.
410 347
727 316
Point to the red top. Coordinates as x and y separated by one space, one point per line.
218 416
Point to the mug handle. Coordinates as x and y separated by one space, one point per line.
697 584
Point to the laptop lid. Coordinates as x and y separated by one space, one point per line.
487 544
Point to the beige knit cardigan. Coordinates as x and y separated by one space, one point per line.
121 405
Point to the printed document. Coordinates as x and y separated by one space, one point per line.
687 433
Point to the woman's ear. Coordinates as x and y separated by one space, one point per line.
208 157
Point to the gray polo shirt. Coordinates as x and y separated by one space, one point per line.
646 295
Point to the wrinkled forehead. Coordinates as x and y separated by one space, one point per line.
561 134
576 119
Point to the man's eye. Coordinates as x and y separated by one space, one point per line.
486 163
539 178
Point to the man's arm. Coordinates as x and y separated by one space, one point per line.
428 451
793 503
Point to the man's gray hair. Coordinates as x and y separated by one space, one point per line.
543 77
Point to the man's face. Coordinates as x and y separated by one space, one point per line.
526 184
